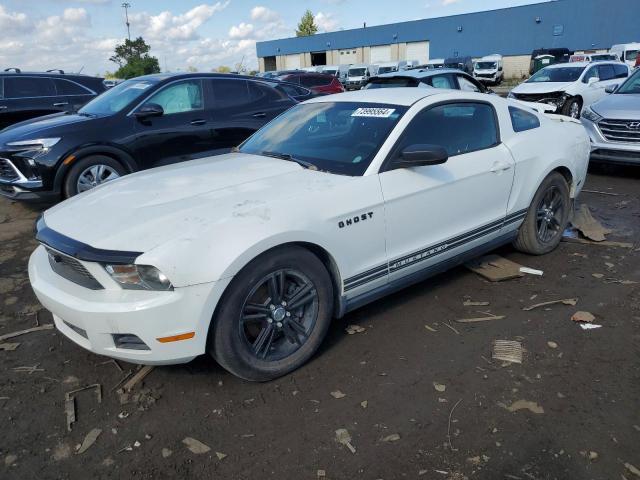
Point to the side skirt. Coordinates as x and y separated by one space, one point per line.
349 304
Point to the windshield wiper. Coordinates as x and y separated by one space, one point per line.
289 158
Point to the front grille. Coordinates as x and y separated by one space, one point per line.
485 75
626 131
71 269
8 171
538 97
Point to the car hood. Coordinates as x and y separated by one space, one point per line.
541 87
48 125
145 210
619 107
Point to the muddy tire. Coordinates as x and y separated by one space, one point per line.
547 217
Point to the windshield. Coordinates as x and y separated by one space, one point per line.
486 66
631 55
382 70
117 98
563 74
632 85
357 72
392 82
330 72
337 137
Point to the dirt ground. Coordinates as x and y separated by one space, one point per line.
585 385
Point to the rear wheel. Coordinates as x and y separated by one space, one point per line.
273 316
90 172
547 217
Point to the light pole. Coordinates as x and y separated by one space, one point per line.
126 7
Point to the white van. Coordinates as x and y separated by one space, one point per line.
339 71
489 69
357 76
435 63
397 66
627 52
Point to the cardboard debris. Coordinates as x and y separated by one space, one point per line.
89 440
196 446
564 301
430 328
338 394
7 336
590 228
495 268
632 469
525 405
364 404
568 237
439 387
552 344
343 438
221 456
353 329
507 351
394 437
583 317
70 402
470 303
9 347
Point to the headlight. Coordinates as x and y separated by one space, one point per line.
590 115
36 143
139 277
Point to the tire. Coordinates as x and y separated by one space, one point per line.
254 341
532 236
572 108
107 169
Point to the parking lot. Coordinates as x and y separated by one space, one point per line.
417 391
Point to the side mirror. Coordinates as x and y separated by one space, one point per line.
611 88
149 110
420 155
592 80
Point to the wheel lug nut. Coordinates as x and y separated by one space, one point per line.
269 320
279 324
272 307
284 304
288 314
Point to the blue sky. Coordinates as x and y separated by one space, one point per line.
70 34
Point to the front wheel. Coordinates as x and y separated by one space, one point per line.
274 315
547 217
90 172
572 108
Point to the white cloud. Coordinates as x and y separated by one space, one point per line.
449 2
14 22
264 14
243 30
326 22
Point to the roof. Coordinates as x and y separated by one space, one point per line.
420 73
406 96
575 24
583 64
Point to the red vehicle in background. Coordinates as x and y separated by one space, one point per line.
318 83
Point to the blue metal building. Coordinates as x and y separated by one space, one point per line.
516 31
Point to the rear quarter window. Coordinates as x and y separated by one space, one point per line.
521 120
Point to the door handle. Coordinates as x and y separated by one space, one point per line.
498 167
198 122
3 107
259 115
60 104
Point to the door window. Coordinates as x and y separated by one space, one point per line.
230 93
28 87
621 71
441 81
261 92
458 127
65 87
179 97
314 81
467 85
606 72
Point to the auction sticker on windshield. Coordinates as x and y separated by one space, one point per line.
373 112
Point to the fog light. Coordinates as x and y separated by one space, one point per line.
129 341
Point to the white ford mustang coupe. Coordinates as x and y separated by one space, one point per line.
334 204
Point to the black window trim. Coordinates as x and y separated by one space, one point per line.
90 91
384 167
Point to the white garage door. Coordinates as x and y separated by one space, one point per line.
381 53
292 62
418 51
348 57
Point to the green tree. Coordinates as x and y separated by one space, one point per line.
192 69
307 25
222 69
133 59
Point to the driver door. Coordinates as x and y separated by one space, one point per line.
183 132
437 212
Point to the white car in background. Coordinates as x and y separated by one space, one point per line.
570 87
332 205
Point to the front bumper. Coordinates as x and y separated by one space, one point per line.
91 318
15 185
606 151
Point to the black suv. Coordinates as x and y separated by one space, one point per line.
25 95
138 124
